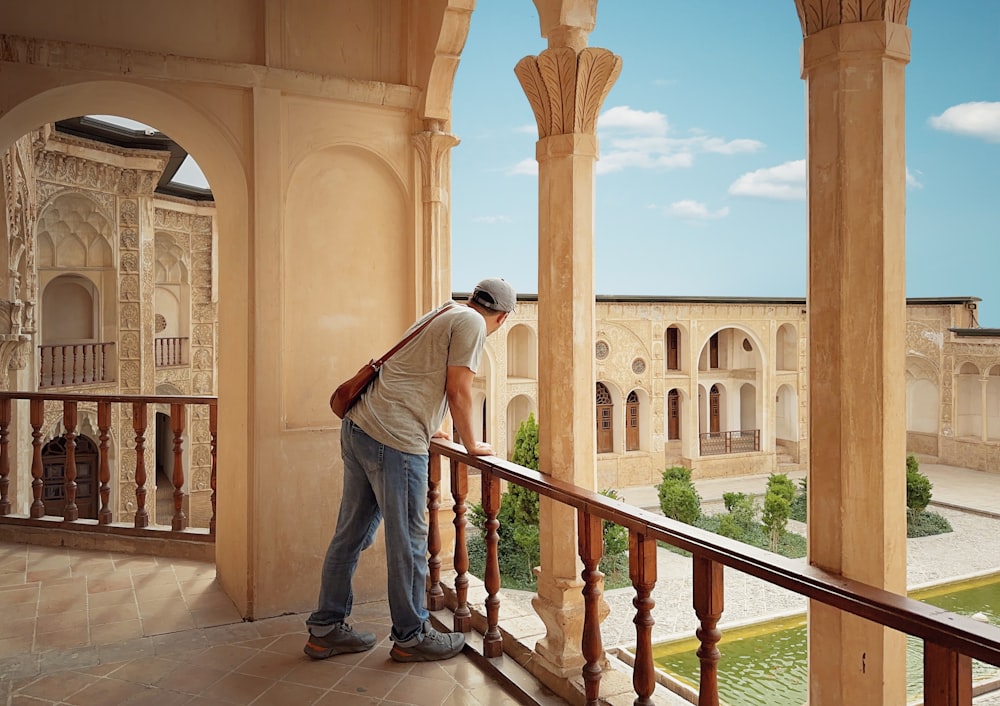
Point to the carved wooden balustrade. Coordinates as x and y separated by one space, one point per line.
729 442
170 351
134 407
951 641
74 364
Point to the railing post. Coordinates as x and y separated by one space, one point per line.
139 426
435 595
707 586
460 490
492 640
179 521
37 420
71 512
213 430
947 677
591 541
642 571
103 425
5 406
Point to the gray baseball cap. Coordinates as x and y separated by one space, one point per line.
495 294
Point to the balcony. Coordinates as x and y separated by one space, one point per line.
75 364
714 443
261 657
170 352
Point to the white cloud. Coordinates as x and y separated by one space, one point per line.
977 119
527 129
640 139
786 181
491 219
623 117
696 210
912 180
525 166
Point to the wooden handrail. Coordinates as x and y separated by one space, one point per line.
952 638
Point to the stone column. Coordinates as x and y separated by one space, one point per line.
854 65
434 147
566 86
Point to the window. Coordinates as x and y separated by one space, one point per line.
632 422
605 417
713 351
673 348
673 415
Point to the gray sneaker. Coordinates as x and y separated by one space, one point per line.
341 640
433 645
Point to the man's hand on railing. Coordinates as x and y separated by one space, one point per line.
480 448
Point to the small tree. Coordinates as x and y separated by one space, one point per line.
918 486
679 500
524 502
777 506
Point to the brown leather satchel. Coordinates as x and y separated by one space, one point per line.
350 391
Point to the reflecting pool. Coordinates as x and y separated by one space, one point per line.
764 664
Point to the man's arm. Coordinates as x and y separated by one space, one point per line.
459 391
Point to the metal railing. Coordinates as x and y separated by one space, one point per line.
728 442
951 641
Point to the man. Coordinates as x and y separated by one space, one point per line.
384 443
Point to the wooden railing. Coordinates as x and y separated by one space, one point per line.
74 364
951 641
170 351
729 442
135 406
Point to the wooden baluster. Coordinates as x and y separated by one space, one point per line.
71 512
708 590
139 426
460 490
63 364
5 406
492 640
104 474
104 361
37 420
41 366
157 352
213 430
642 571
435 594
591 541
947 677
177 414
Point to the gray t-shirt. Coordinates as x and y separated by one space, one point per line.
407 402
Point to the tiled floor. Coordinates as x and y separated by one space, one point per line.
100 629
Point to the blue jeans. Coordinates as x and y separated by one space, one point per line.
379 482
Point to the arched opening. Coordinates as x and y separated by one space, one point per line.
518 410
748 407
672 346
993 403
522 353
786 353
969 402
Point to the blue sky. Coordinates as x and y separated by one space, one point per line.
701 183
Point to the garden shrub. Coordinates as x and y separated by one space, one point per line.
679 500
777 507
918 486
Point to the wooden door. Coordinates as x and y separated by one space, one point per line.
605 420
632 422
673 415
54 477
714 407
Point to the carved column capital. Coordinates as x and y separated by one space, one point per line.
566 89
817 15
433 146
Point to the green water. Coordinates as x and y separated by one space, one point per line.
765 664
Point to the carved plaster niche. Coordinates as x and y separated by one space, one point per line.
130 374
130 346
202 335
817 15
129 288
566 89
201 479
202 384
128 239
